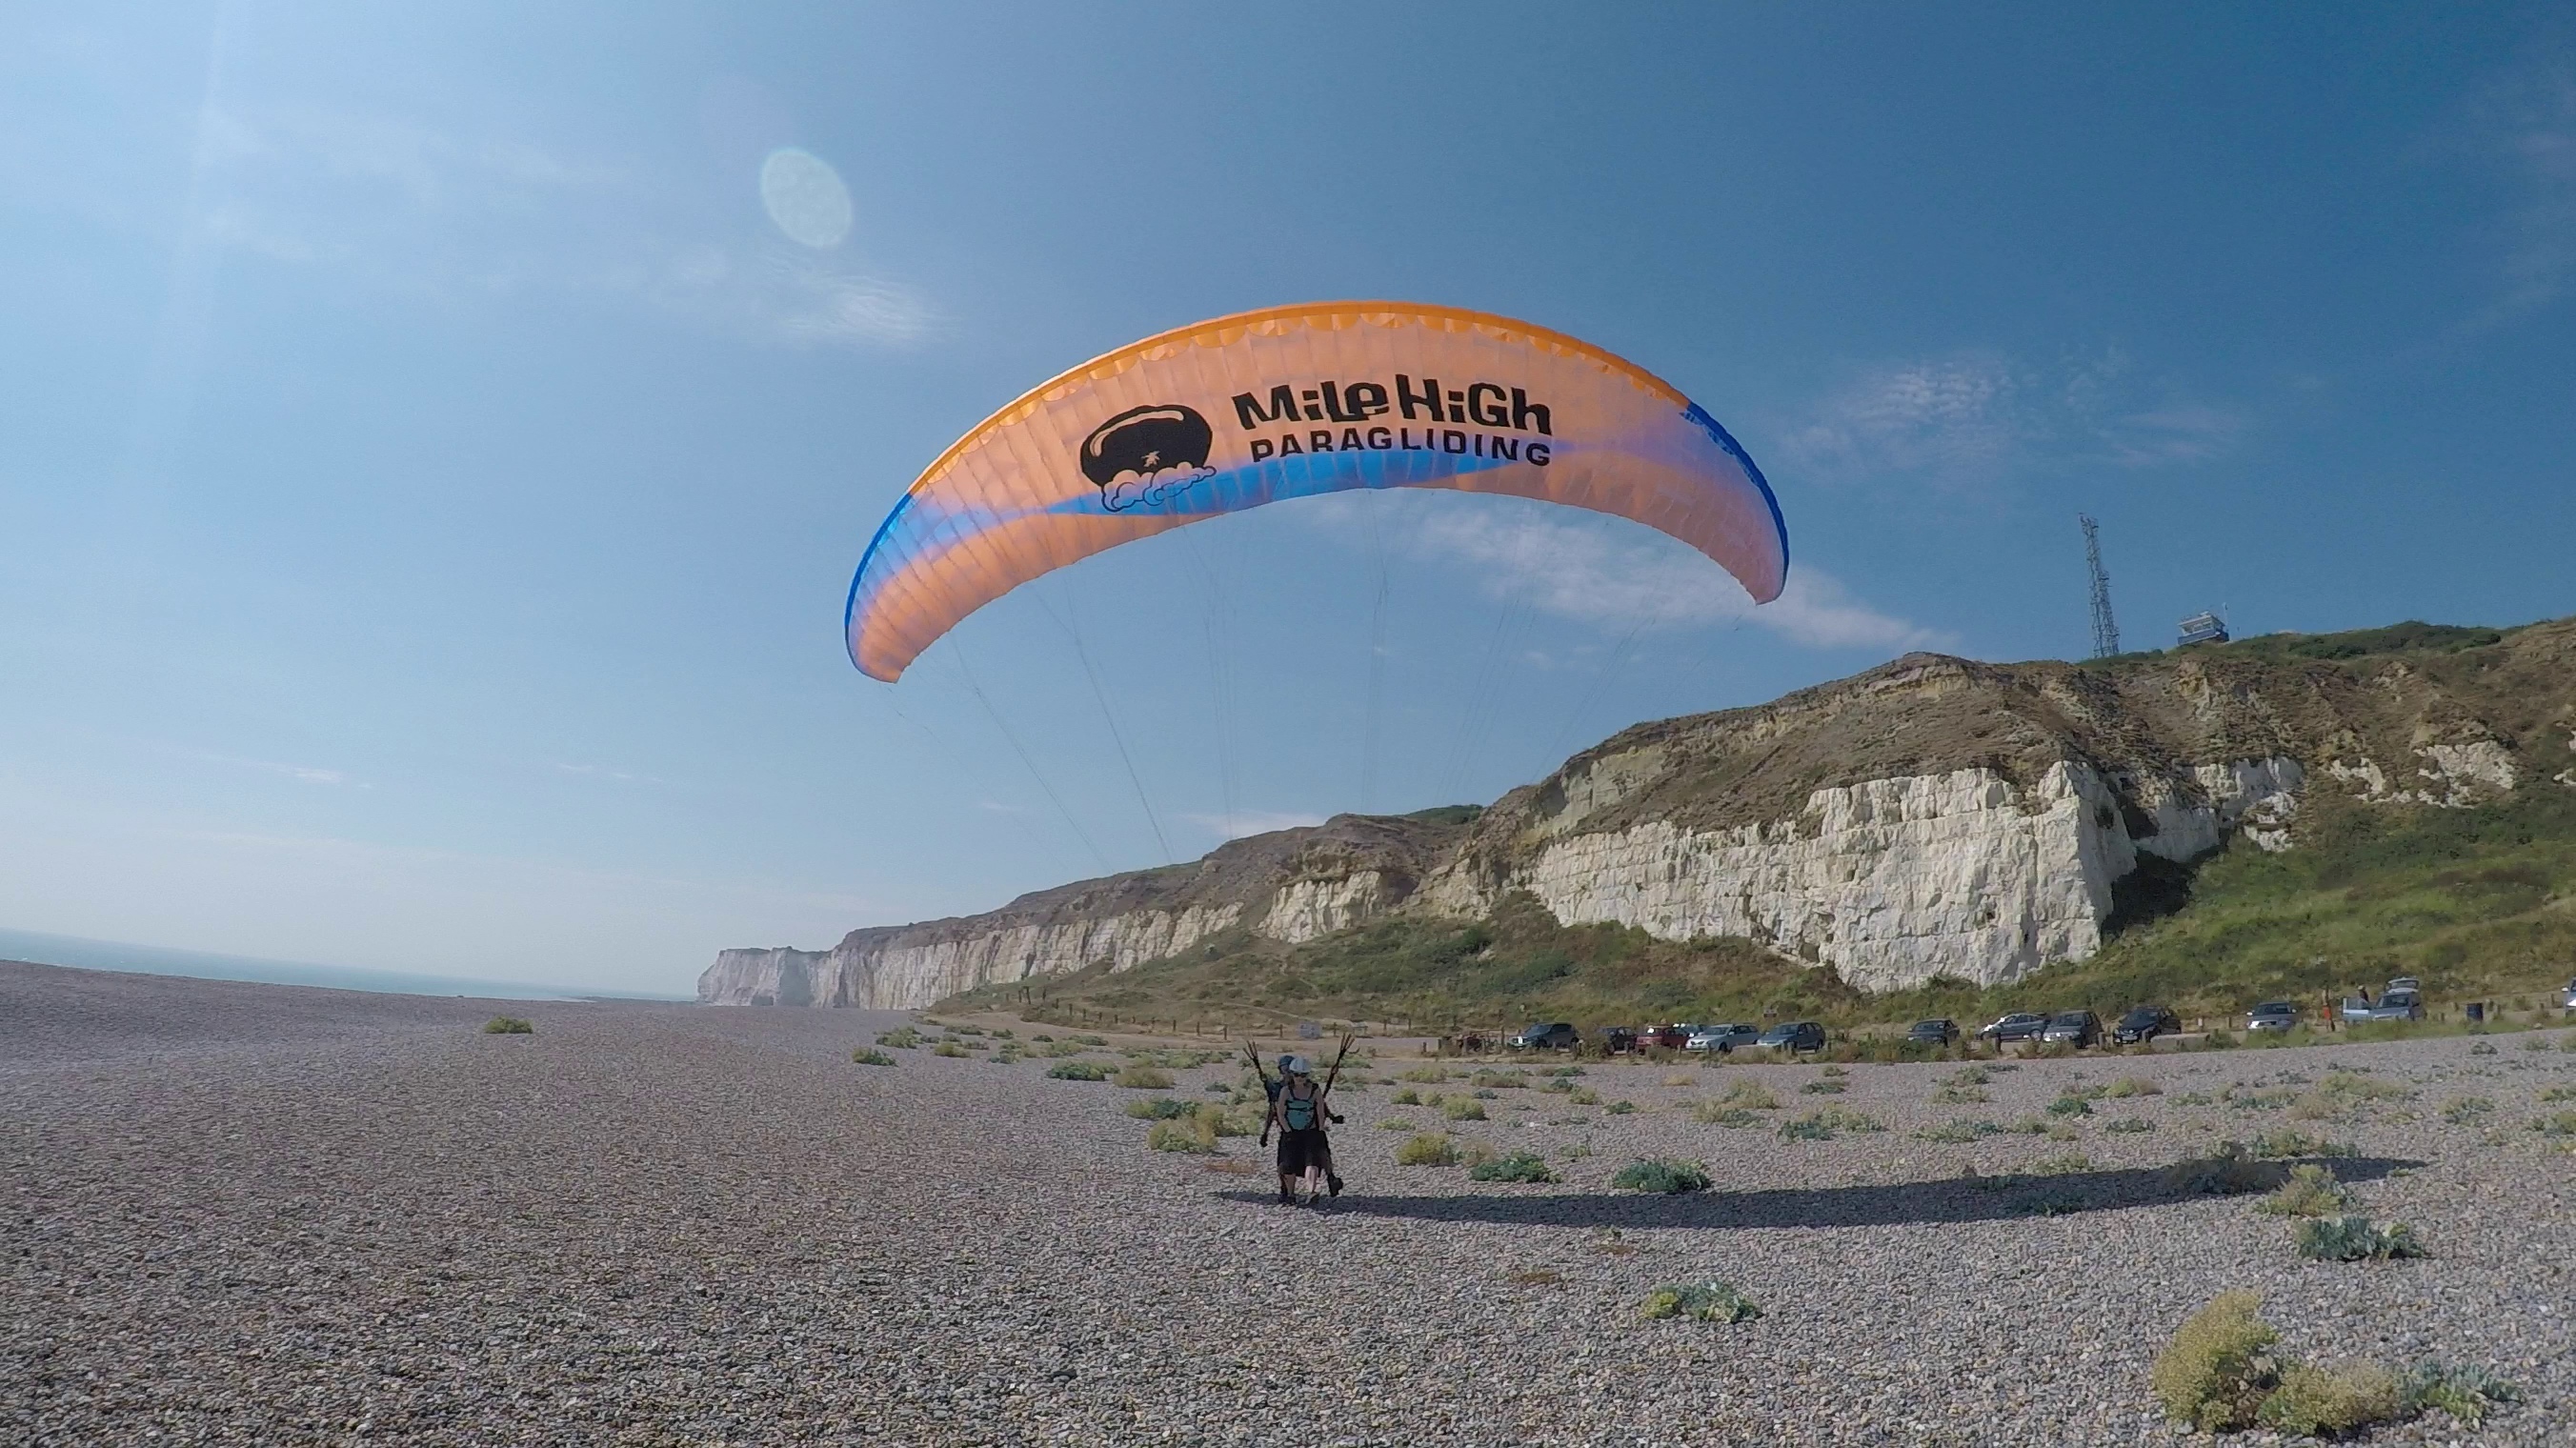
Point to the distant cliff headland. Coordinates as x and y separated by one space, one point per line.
1932 824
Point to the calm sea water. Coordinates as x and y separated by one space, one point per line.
72 950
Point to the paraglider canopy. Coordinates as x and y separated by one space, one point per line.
1291 402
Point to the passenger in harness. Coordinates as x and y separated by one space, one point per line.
1299 1109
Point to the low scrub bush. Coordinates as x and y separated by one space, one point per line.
2311 1191
1143 1078
2559 1093
1751 1095
1583 1096
2356 1239
1407 1097
2130 1125
2556 1123
1519 1166
954 1050
1498 1080
2463 1110
1701 1302
1826 1123
1425 1075
2030 1126
2219 1367
1960 1130
1195 1134
1661 1176
1619 1108
2067 1164
2227 1172
1079 1071
1428 1149
1162 1108
1958 1093
508 1026
2328 1402
2299 1143
2128 1086
1463 1108
1711 1113
1395 1123
1825 1088
2070 1105
870 1056
901 1038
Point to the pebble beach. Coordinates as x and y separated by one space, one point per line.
261 1214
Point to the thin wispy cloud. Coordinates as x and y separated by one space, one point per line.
2525 127
1978 418
601 771
408 208
301 773
1621 578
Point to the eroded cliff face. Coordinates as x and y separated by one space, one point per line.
1291 885
1892 881
1932 817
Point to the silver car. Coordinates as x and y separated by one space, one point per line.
1722 1037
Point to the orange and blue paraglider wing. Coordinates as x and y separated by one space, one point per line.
1289 403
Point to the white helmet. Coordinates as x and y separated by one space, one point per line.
1296 1066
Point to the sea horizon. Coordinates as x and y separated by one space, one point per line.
76 952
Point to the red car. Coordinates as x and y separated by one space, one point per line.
1664 1038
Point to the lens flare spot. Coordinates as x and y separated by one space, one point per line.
805 197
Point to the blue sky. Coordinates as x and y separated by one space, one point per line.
429 472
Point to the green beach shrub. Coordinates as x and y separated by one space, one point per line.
2311 1191
2328 1402
1661 1176
1463 1108
1143 1078
2465 1393
870 1056
2356 1239
2217 1370
1162 1108
1700 1302
1195 1134
901 1038
1960 1130
508 1026
2299 1143
1428 1149
1078 1071
1519 1166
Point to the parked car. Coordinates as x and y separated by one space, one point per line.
1794 1036
1671 1037
2019 1026
2395 1005
1618 1040
2072 1028
2407 982
1722 1037
1932 1033
2275 1016
1554 1036
2144 1023
2567 1002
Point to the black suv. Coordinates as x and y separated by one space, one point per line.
2144 1024
1933 1033
1555 1036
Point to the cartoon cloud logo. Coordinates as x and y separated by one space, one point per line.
1143 452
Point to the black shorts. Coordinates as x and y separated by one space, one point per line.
1301 1150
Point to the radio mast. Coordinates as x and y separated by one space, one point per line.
2106 632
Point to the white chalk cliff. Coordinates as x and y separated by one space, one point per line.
1932 817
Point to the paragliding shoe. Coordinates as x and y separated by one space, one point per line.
1287 1198
1335 1183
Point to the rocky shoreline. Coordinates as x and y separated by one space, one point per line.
308 1219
